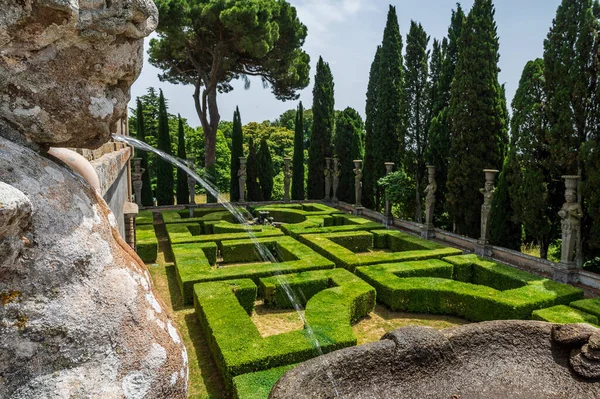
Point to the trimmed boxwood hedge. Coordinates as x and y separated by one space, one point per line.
144 217
591 306
258 385
330 224
563 314
408 248
183 216
429 294
192 265
238 347
181 233
146 243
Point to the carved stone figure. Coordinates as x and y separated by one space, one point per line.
191 182
328 178
389 167
242 179
430 191
136 178
79 316
287 175
486 208
570 215
357 182
337 173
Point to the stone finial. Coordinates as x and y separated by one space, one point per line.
486 208
287 175
242 179
570 214
67 83
336 178
358 182
328 178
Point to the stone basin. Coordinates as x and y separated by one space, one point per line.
498 359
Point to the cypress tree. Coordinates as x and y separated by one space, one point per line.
477 116
439 130
252 186
505 228
298 161
237 151
183 191
348 146
571 73
322 130
389 122
164 170
369 181
435 71
417 102
265 170
147 198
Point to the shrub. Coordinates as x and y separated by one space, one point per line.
144 217
591 306
181 233
564 315
146 243
258 385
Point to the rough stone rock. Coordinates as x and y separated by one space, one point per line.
66 67
78 314
573 335
499 359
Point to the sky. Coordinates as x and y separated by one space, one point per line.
346 34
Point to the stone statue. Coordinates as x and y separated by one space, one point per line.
389 167
357 182
287 175
242 179
570 215
191 182
337 173
486 208
430 191
328 178
79 316
136 178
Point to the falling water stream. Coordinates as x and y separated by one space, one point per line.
241 218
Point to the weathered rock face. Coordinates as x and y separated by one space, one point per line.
500 359
66 67
78 316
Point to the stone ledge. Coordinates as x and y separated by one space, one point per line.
109 166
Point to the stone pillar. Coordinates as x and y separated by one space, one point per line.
428 229
358 185
242 180
482 247
287 174
136 179
336 179
328 179
570 215
191 182
389 219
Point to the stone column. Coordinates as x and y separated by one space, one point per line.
336 179
428 229
389 219
358 185
328 176
287 174
486 211
242 179
570 215
136 179
191 182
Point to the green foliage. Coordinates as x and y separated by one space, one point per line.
183 191
164 170
258 385
147 198
369 181
348 146
146 243
265 170
322 130
237 151
563 314
223 163
591 306
252 167
505 228
144 217
477 114
243 38
400 189
417 102
298 160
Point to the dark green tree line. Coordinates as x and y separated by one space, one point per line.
147 197
164 170
183 191
298 160
265 170
237 151
369 180
348 146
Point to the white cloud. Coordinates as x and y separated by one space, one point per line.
319 15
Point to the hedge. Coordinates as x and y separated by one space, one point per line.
591 306
144 217
181 233
564 315
238 347
428 293
258 385
408 248
146 243
192 265
330 224
183 216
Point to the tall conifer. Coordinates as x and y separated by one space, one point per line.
164 170
322 130
183 191
252 185
265 170
369 177
237 151
477 115
147 197
348 146
298 160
